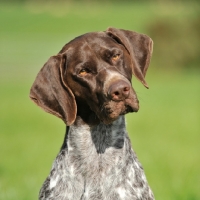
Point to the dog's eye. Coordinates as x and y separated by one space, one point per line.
84 71
115 57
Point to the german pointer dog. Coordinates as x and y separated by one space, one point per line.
88 85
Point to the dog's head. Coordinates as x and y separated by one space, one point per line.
91 76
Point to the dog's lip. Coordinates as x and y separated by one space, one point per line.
130 105
109 114
109 110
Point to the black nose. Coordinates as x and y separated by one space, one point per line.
119 90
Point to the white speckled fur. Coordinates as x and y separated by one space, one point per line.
97 163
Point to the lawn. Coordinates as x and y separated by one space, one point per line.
165 133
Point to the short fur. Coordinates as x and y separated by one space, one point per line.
88 86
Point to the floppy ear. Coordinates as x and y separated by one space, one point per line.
140 48
50 92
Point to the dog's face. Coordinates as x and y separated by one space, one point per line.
98 72
92 75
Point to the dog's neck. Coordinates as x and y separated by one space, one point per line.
99 148
81 136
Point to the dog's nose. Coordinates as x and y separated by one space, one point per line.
119 91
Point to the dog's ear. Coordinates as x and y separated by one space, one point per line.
140 48
50 92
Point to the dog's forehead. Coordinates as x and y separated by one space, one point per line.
95 41
99 38
101 41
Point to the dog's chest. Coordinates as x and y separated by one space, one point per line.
104 180
97 163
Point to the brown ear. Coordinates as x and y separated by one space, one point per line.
51 94
140 48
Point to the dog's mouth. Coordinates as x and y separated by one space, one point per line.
112 110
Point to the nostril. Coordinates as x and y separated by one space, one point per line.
116 93
126 89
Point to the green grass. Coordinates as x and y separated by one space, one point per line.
165 132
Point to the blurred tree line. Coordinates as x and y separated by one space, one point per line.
176 42
176 39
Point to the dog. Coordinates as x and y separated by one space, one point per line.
88 85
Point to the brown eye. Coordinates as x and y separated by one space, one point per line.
115 57
84 71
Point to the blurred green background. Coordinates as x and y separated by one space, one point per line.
165 133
